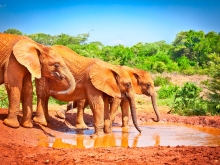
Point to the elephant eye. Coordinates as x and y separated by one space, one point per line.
148 84
57 65
128 85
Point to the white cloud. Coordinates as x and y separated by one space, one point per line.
1 6
117 42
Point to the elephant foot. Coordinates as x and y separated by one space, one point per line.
97 135
108 127
40 120
27 124
81 126
61 114
11 123
125 129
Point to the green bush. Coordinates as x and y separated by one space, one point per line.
3 97
159 67
167 91
160 81
188 102
214 94
55 101
190 71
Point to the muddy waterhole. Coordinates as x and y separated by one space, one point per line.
153 134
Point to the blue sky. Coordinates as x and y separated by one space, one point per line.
111 22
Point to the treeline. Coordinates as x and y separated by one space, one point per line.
191 52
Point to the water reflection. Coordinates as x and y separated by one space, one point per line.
153 134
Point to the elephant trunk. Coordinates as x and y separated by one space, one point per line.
153 100
133 112
71 82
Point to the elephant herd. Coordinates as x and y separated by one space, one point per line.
65 75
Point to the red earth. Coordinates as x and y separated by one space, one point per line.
22 145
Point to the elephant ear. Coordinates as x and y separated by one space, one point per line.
26 53
104 79
135 79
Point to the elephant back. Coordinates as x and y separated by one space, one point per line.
7 41
77 64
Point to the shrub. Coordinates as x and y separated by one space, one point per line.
187 101
167 91
160 81
3 97
214 94
159 67
55 101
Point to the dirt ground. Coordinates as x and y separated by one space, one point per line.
21 146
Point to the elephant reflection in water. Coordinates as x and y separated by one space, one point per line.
107 140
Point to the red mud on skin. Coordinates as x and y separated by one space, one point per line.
19 146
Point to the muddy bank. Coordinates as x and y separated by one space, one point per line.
20 146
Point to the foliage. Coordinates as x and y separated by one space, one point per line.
214 86
187 100
161 81
167 91
3 97
191 52
55 101
196 46
42 38
13 31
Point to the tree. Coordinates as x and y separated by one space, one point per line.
65 39
13 31
42 38
187 44
214 85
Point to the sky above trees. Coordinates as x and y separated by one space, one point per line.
111 22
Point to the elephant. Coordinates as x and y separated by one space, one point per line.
96 80
21 58
142 84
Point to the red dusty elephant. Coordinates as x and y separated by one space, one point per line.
21 57
96 80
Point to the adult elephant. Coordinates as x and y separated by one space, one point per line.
142 84
21 57
96 80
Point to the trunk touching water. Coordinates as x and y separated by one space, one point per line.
153 100
133 112
72 84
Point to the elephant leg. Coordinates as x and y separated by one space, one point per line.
14 106
80 124
61 112
42 102
95 99
27 97
13 84
46 111
107 117
113 108
125 114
